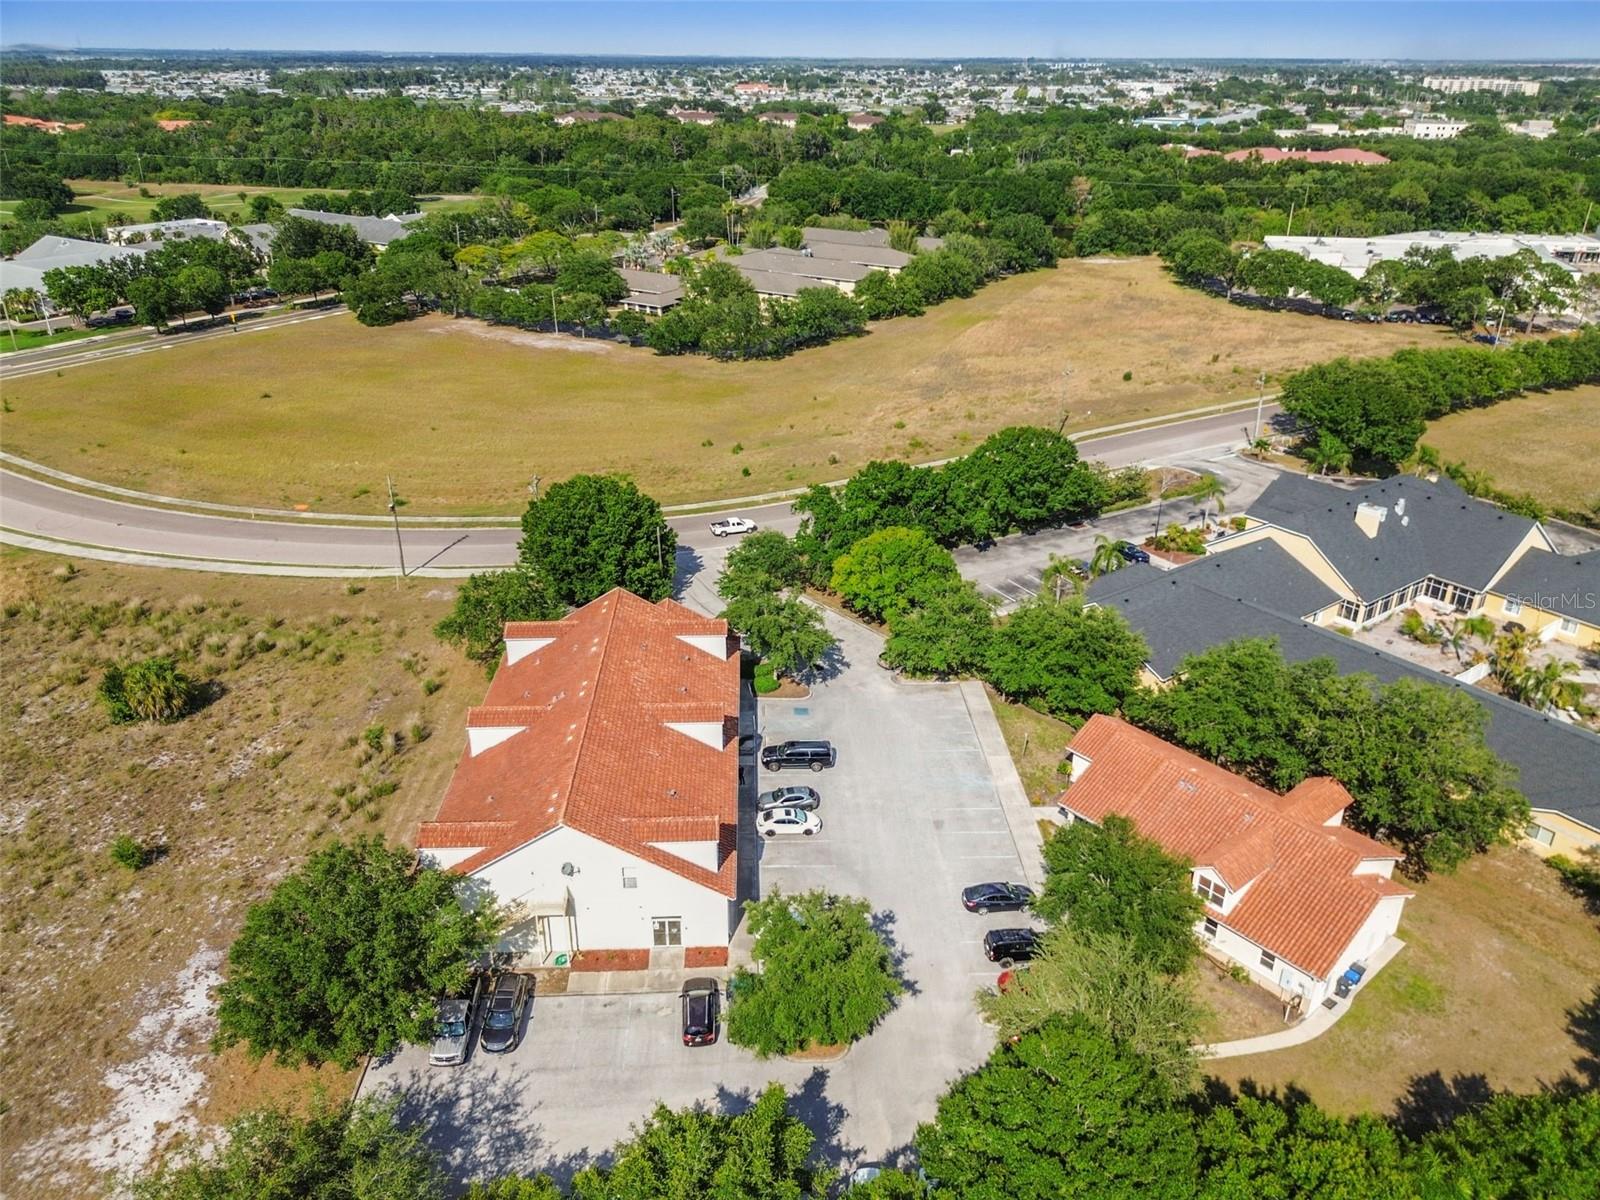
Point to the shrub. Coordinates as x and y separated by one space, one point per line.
129 852
152 689
1177 539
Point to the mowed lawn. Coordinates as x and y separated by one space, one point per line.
1546 444
105 197
105 970
462 414
1498 988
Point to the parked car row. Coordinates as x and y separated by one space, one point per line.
493 1006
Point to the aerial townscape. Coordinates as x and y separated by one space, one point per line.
790 600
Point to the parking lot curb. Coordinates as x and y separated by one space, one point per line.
1021 816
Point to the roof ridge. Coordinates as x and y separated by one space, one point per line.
609 623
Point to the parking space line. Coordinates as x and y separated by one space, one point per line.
1011 856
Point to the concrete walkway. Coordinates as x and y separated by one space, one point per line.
1314 1026
1021 816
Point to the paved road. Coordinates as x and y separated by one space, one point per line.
910 816
50 517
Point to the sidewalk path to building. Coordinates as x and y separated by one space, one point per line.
1314 1026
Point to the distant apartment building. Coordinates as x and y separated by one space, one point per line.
864 120
1538 130
1578 252
1433 129
756 87
693 116
586 116
1455 85
787 119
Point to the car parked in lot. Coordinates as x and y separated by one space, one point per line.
787 820
502 1019
996 897
793 796
732 525
452 1037
1132 553
702 1011
1010 946
798 755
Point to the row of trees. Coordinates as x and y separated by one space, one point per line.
721 315
1375 410
1465 291
180 276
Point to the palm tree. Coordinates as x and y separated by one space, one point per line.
1425 462
1510 659
1106 557
1329 454
1211 488
1548 687
1464 631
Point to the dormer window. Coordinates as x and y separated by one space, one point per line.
1211 891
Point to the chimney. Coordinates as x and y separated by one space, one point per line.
1369 517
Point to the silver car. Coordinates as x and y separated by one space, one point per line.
457 1015
795 796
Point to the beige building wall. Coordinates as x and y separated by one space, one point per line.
1565 836
1537 620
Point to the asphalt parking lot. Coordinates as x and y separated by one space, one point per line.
910 816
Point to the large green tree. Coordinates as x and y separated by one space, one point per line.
485 602
948 634
1264 1146
826 975
889 572
784 630
347 956
592 533
1108 879
762 1153
1019 478
1059 1112
1068 659
349 1151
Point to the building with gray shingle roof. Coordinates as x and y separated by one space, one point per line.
1558 583
377 232
1195 607
27 268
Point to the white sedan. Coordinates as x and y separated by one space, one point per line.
787 820
729 525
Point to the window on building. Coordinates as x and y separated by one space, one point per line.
1541 835
1349 610
1210 925
630 877
1513 606
1269 961
666 931
1569 625
1211 891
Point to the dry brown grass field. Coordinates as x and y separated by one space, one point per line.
1546 444
104 971
1495 990
462 414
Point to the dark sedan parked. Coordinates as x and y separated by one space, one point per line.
702 1009
1010 946
1133 553
996 897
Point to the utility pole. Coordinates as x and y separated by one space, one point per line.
673 193
1586 213
1261 400
7 310
553 316
399 546
1066 374
660 561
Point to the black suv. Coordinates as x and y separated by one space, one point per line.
815 755
502 1020
1007 946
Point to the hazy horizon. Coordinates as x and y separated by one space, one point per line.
1534 33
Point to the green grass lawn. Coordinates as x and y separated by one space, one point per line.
1037 744
463 413
1545 443
96 200
30 339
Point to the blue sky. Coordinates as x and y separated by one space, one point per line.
1488 29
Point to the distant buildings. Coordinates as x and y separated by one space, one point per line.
1455 85
863 120
27 269
1538 130
693 116
756 88
787 119
1433 129
376 232
1344 155
1578 252
160 231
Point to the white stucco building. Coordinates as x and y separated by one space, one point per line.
597 796
1290 894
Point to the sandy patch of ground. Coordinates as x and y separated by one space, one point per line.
525 337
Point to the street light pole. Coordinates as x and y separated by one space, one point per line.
5 308
1261 400
1066 374
399 546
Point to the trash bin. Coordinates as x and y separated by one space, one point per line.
1342 988
561 960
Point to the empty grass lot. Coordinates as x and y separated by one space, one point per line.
462 413
99 199
1546 444
1496 989
104 971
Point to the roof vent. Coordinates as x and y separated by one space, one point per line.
1405 520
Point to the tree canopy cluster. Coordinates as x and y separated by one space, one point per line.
1375 410
761 580
180 276
348 956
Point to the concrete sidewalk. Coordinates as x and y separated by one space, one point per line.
1021 817
1314 1026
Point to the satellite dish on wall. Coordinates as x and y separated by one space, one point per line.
568 870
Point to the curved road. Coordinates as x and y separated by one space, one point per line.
47 517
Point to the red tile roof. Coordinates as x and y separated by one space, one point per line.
1302 898
595 753
1344 155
